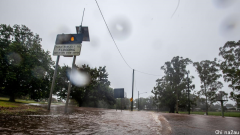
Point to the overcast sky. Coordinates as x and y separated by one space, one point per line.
146 31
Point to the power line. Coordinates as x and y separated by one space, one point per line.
147 73
112 36
117 46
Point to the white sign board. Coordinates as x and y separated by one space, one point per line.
67 49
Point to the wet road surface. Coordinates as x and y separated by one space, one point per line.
183 124
84 121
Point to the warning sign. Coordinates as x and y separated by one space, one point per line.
131 99
67 50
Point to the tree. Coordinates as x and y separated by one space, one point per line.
207 71
175 75
62 82
164 94
25 67
92 94
169 90
145 103
230 67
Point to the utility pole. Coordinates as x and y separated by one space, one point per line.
188 96
132 90
53 83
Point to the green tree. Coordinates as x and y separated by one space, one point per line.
175 71
62 79
164 94
96 91
208 74
25 67
169 90
230 52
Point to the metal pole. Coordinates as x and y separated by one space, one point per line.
138 100
222 108
188 96
53 82
69 84
132 90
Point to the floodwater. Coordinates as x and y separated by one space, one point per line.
85 121
184 124
82 120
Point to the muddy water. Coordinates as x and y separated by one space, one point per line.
183 124
83 121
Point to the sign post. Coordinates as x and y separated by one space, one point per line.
222 97
53 82
132 90
69 84
68 45
119 93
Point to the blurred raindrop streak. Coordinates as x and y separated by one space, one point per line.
230 26
78 78
120 28
223 3
38 72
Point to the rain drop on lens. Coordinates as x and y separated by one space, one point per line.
38 72
223 3
120 28
14 58
230 26
78 78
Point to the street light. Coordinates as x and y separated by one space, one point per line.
138 98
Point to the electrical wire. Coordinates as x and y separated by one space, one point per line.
147 73
112 37
117 46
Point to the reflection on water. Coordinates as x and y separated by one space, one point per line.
82 121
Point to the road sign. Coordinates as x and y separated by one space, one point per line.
68 45
85 33
131 99
119 93
67 50
69 39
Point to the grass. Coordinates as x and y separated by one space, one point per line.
228 114
18 100
8 104
19 107
23 101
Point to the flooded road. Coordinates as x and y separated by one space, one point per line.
183 124
84 121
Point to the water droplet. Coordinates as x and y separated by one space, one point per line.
223 3
38 72
120 28
230 26
14 58
78 78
